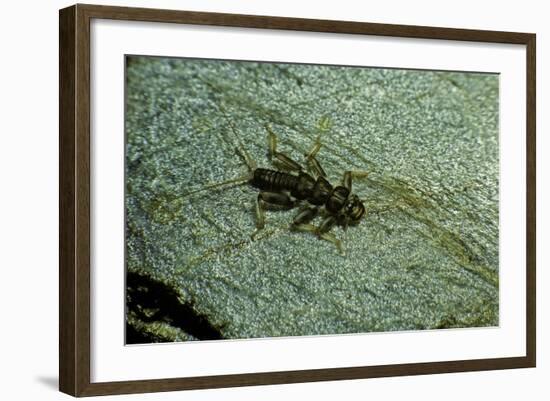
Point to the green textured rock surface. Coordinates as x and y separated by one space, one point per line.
424 257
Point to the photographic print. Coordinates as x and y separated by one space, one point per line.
267 199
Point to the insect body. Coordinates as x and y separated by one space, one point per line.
311 191
337 201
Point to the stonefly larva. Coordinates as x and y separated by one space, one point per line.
290 186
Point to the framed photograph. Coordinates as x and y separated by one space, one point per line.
250 200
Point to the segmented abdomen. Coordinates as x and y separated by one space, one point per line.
271 180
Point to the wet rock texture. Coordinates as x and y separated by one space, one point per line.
424 257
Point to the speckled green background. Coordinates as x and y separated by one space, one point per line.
424 257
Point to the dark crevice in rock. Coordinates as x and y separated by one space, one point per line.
149 301
136 336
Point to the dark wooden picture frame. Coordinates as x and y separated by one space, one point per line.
74 203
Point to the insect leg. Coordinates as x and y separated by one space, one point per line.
332 238
312 163
305 216
327 224
349 175
314 149
322 231
276 200
260 213
269 200
315 167
285 161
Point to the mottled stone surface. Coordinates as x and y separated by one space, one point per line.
424 257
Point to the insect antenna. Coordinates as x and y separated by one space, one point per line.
250 163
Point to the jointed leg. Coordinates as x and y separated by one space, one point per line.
305 216
285 161
322 231
349 175
327 224
332 238
312 162
315 148
269 200
260 214
315 167
275 200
